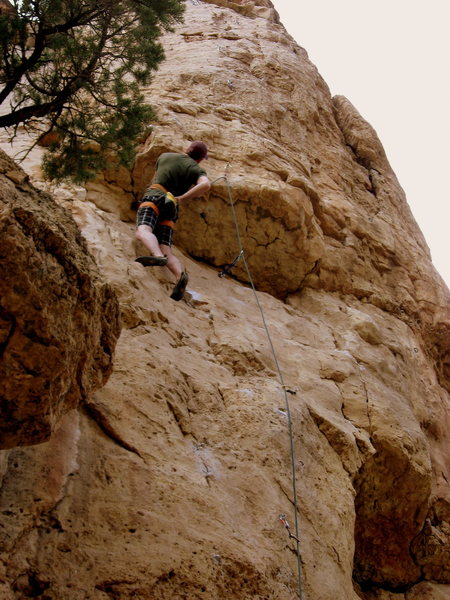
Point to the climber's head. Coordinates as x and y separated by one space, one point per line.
197 150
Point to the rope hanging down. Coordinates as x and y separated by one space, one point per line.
285 388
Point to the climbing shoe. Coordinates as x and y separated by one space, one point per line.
180 286
152 261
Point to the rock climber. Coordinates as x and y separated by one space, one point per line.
178 177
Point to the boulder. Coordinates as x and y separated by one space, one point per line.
59 320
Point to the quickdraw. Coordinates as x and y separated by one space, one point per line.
286 525
227 268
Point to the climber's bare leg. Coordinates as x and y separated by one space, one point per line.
172 261
145 234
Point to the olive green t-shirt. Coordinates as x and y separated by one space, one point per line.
177 172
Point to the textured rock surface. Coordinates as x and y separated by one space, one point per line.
312 185
58 320
170 481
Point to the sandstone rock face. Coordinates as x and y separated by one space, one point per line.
6 7
170 481
58 320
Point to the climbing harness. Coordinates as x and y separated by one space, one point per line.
166 222
170 204
286 389
158 186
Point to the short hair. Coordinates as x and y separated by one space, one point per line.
197 150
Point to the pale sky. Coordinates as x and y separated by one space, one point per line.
391 59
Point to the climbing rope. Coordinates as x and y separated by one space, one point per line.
285 388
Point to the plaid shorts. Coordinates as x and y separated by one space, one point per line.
147 216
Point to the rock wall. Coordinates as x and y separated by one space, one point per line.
59 322
170 480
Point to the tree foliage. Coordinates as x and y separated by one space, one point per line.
76 68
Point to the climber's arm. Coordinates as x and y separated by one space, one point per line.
200 188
